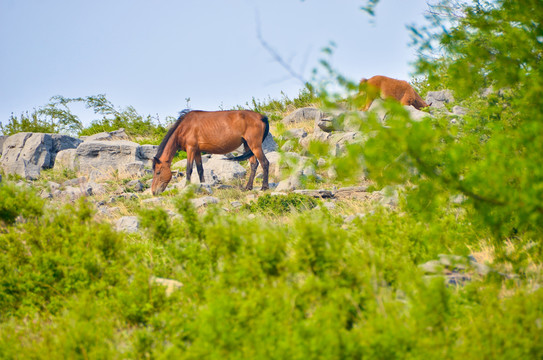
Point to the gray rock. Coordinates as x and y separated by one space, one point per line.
169 284
73 192
75 182
107 158
269 144
325 194
303 114
415 114
390 196
135 185
289 184
153 201
438 99
296 133
349 189
340 139
288 145
53 185
66 159
146 153
309 171
204 201
46 194
25 154
377 107
452 260
95 188
329 205
326 125
119 134
2 139
353 120
108 136
225 170
130 224
458 279
432 266
236 204
459 110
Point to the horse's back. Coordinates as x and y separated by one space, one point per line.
221 132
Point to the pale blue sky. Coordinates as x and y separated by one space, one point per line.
155 54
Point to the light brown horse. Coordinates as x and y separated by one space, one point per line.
215 132
385 87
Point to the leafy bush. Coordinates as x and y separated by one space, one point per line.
281 204
277 109
27 123
18 201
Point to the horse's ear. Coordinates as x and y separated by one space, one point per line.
157 161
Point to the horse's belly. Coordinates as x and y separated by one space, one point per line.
220 147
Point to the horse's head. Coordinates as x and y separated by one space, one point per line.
162 174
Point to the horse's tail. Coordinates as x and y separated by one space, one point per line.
249 153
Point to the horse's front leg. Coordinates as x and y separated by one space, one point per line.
190 160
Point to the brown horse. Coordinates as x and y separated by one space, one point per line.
385 87
215 132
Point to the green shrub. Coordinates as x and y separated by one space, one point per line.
281 204
17 201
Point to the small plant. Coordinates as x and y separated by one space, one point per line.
280 204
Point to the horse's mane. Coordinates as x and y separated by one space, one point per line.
169 134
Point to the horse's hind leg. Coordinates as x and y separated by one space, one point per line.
254 164
199 167
259 154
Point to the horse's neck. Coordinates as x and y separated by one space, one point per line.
171 149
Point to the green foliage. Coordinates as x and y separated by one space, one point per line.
313 286
276 109
281 204
57 117
492 155
18 201
27 123
72 288
50 258
113 119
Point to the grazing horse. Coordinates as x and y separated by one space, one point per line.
385 87
215 132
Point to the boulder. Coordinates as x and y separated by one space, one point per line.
135 185
107 136
204 201
438 99
146 153
378 109
295 134
66 160
128 224
103 158
25 153
459 110
269 144
2 139
415 114
289 184
224 169
316 193
303 114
